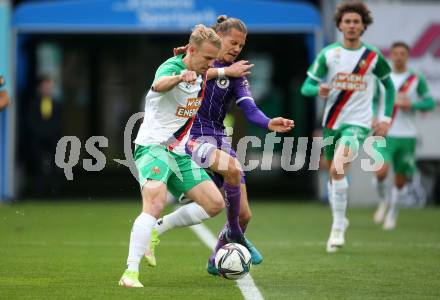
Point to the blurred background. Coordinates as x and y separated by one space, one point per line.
95 60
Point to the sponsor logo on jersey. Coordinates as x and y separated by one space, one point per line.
191 108
350 82
222 82
156 170
246 84
337 56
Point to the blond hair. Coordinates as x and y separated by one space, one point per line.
201 34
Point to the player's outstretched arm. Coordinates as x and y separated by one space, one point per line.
280 124
238 69
166 83
255 116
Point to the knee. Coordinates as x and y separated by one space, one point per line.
153 204
381 174
334 174
400 182
233 175
400 185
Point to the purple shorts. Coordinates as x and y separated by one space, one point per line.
200 149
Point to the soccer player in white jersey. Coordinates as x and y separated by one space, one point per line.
350 68
210 148
412 95
170 108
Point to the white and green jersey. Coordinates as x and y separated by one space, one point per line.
415 88
351 76
169 115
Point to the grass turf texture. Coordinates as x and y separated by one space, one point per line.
78 250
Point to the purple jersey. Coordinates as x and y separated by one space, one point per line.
219 94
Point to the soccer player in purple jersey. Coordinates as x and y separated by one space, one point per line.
208 145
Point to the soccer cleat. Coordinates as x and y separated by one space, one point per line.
130 279
211 269
256 256
149 253
337 238
380 213
390 221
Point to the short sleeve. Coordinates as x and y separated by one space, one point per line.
167 69
318 69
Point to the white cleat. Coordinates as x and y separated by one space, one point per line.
337 238
390 221
380 213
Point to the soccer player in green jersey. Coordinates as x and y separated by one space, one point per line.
210 148
350 68
170 108
412 95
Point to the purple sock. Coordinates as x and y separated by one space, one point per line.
243 181
232 201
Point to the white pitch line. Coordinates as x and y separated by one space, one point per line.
246 284
279 244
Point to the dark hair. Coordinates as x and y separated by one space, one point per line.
43 78
353 7
225 24
400 44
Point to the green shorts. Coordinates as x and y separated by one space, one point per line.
400 151
350 135
178 172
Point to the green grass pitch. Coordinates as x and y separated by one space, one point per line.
77 250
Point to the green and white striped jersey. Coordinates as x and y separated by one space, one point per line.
351 76
415 88
169 115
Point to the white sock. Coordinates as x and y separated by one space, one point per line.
339 202
139 239
396 196
171 199
329 191
381 188
187 215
